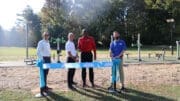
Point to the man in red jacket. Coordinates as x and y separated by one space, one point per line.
86 45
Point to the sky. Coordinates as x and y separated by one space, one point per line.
9 9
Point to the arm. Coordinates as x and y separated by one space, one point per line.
94 48
94 54
110 53
79 45
39 50
70 55
121 54
110 50
124 48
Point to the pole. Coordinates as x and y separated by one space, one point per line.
111 38
172 50
27 41
177 56
139 48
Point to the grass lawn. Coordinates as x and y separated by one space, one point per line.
135 93
14 53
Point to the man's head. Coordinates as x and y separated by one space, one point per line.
116 35
84 32
45 35
71 36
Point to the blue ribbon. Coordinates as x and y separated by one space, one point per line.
39 63
77 65
95 64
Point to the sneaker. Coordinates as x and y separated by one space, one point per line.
111 89
122 90
45 93
39 95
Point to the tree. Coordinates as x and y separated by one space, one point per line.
53 17
32 20
1 36
157 29
102 17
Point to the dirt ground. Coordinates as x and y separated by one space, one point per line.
27 78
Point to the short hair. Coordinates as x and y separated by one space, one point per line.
70 34
45 33
116 32
84 31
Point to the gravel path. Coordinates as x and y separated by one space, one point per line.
27 78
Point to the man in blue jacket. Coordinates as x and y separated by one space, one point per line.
117 48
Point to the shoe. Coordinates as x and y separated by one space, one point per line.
122 90
71 88
111 89
45 93
48 89
84 85
92 85
74 83
39 95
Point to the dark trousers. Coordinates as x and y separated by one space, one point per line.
71 72
46 71
87 57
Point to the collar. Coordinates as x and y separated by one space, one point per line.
45 40
70 41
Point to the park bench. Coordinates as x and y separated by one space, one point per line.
31 60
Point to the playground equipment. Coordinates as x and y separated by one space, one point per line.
58 41
58 50
139 48
138 44
31 60
161 55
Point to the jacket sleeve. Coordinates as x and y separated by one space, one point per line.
39 50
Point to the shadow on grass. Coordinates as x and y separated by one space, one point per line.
136 95
56 97
101 94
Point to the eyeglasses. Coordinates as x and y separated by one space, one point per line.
46 35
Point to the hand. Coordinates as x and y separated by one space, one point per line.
77 59
74 58
116 57
94 57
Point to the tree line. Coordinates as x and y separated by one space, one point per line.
102 17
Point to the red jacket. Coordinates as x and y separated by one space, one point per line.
86 44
